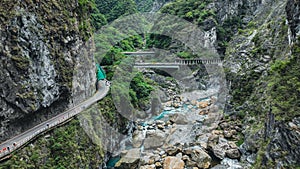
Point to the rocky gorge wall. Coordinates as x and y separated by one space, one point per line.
46 67
267 40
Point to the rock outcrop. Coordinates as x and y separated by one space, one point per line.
40 51
130 161
173 163
270 35
154 139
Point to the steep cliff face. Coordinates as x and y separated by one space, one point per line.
46 66
293 15
227 9
261 62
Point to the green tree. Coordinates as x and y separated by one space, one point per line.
112 9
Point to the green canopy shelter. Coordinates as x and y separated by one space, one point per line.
100 73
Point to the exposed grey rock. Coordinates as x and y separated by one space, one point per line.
154 139
231 164
200 157
251 158
38 62
282 139
138 138
173 163
222 148
293 13
130 160
233 153
173 150
220 166
179 118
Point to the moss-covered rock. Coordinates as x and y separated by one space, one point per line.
41 43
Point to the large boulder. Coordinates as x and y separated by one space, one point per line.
173 150
173 163
179 118
233 153
198 157
130 160
137 138
154 139
149 158
203 104
222 148
219 150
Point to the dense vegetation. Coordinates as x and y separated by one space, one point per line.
64 147
284 88
144 5
191 10
112 9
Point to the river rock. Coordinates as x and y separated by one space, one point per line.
137 138
154 139
145 159
158 164
224 125
151 161
233 153
185 157
197 155
179 155
204 111
203 104
148 167
168 123
218 151
155 157
222 148
159 122
213 109
171 151
179 118
168 108
161 127
162 152
194 102
140 128
176 105
130 160
227 134
212 140
190 163
217 132
124 152
168 104
173 163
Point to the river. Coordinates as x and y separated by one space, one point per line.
181 124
